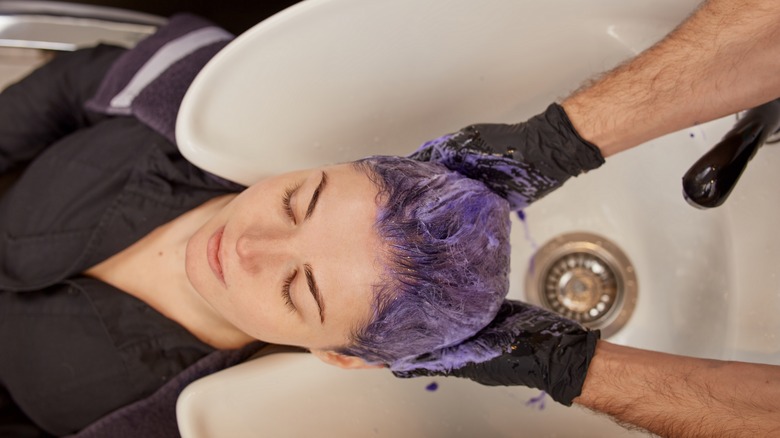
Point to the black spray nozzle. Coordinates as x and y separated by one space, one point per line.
710 180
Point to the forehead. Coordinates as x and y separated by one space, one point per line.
347 247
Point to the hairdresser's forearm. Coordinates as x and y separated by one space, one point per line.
677 396
723 59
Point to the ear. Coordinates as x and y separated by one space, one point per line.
343 361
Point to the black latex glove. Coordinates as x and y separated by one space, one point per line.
539 349
521 162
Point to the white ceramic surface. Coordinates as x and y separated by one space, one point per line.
333 80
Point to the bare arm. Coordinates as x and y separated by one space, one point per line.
723 59
681 396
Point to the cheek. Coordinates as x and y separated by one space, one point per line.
269 322
253 199
245 308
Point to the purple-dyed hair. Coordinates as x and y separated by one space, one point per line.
446 260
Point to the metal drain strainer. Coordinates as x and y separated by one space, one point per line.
584 277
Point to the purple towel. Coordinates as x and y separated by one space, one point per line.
149 81
155 416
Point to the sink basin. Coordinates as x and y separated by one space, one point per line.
333 80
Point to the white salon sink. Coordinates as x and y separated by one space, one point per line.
334 80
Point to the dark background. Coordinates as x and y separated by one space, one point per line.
234 15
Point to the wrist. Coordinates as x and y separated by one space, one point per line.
596 124
589 128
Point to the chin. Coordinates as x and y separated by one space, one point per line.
193 265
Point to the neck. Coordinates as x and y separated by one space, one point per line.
164 286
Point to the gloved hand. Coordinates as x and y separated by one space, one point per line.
524 345
521 162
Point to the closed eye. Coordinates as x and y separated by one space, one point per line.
286 292
286 198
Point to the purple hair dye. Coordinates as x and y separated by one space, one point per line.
446 260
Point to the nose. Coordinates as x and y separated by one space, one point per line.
258 251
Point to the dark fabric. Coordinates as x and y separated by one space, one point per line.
107 181
157 104
127 65
13 422
50 105
74 348
155 416
78 350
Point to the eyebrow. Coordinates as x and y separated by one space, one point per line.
316 195
315 291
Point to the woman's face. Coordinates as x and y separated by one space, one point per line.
292 259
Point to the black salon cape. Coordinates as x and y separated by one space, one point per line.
72 348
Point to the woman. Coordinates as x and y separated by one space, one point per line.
122 264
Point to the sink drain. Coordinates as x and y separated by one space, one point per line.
584 277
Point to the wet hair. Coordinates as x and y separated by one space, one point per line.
445 260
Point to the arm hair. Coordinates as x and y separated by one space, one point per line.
677 396
723 59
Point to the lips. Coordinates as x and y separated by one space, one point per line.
213 254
